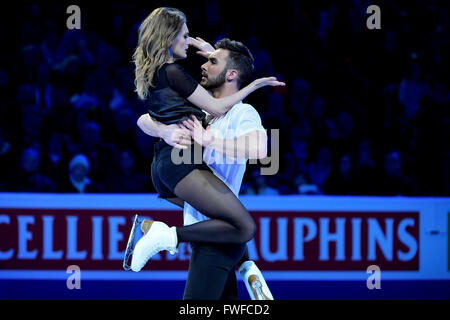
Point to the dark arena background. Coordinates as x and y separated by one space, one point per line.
358 208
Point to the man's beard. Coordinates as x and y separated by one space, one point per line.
214 83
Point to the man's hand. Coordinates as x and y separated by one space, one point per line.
205 49
200 135
177 136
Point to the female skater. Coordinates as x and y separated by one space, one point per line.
173 97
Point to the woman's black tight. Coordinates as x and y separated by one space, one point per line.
229 221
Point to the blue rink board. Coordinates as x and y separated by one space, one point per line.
173 290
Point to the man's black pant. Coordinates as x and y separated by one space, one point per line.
211 273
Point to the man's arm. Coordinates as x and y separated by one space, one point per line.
252 145
150 126
173 134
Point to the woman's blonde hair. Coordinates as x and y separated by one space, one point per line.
156 35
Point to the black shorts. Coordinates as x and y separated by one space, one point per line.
166 173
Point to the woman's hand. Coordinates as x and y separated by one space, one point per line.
205 49
200 135
177 136
268 81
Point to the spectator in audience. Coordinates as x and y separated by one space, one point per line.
299 96
264 187
316 113
393 182
6 161
304 185
275 116
128 180
263 60
342 178
28 178
65 92
77 180
411 90
365 168
319 170
56 158
103 156
259 185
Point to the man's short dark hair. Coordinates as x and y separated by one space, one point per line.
240 58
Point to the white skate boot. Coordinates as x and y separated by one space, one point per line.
157 237
254 281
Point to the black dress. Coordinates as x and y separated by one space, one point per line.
167 100
168 104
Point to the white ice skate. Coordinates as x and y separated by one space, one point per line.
157 237
254 281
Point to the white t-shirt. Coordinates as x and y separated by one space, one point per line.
241 119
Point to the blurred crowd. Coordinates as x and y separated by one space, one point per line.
364 112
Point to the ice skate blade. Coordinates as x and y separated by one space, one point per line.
129 249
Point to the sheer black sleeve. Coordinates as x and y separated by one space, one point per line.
180 81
